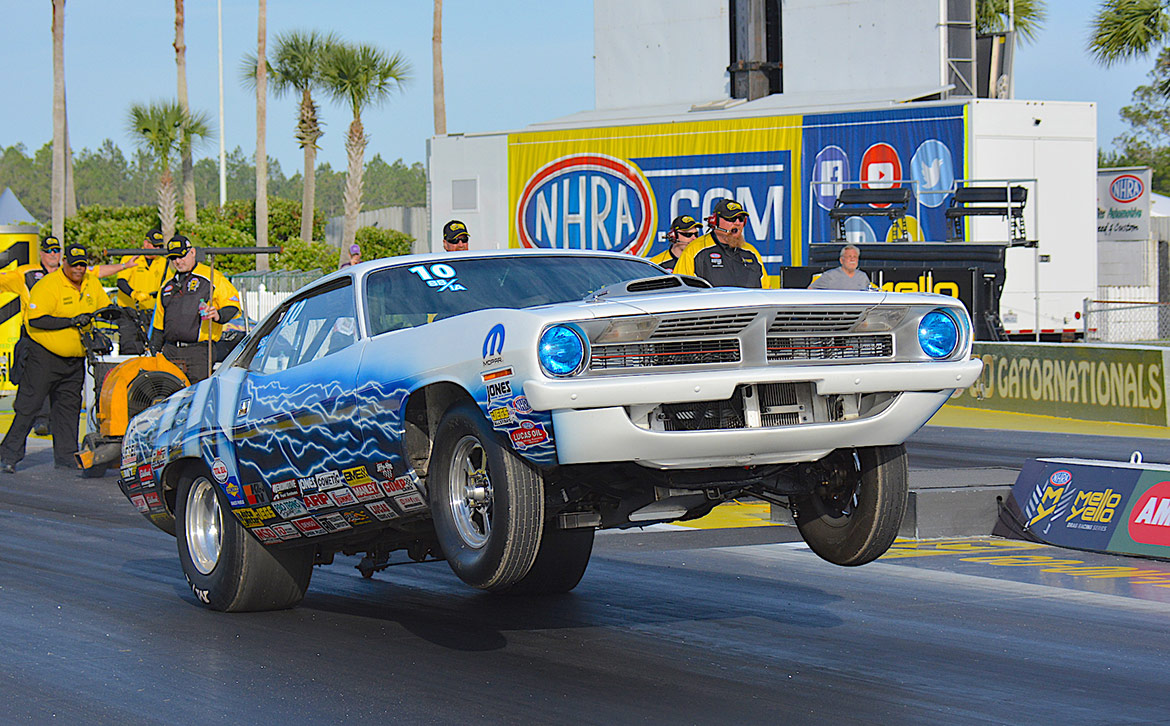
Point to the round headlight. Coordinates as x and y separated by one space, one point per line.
938 334
561 351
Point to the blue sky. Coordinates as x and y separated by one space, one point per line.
507 63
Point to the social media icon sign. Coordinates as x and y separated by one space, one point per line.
933 170
830 168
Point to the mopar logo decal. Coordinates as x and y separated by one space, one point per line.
1126 188
493 344
587 202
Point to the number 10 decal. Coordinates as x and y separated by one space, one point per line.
439 276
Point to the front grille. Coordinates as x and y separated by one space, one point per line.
803 321
673 353
727 323
830 347
703 415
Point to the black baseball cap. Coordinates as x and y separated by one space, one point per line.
684 223
453 230
50 244
178 246
729 209
75 254
155 236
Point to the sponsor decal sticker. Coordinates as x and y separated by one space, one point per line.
129 460
501 416
329 480
410 502
307 484
366 492
528 434
333 522
139 502
442 277
320 500
289 508
357 475
398 486
499 390
385 469
493 345
232 489
266 535
285 489
249 495
145 475
253 517
286 530
357 517
243 409
344 497
520 404
309 527
382 511
219 470
153 500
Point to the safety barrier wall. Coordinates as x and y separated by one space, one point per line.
1119 383
16 242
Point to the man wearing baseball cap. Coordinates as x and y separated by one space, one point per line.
59 304
192 307
355 257
137 290
723 257
455 236
683 230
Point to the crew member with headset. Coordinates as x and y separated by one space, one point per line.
27 276
723 257
683 230
137 291
192 308
59 304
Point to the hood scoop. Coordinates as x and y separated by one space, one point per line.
649 285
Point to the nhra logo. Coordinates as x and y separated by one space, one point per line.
1149 521
1126 188
587 202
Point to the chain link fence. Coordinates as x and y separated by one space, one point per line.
261 292
1126 321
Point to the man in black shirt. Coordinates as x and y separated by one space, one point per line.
723 257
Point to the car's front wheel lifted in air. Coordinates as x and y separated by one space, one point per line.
486 501
853 513
227 568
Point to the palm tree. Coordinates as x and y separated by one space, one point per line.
1127 29
1027 16
188 169
359 75
59 156
261 135
159 128
437 71
296 66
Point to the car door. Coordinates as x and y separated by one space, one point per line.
295 419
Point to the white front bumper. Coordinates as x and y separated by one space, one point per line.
591 425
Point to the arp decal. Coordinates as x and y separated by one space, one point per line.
320 500
587 202
1149 521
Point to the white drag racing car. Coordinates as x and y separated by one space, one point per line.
495 409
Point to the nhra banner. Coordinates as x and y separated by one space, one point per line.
618 188
1126 384
1104 506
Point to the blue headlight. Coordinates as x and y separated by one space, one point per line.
938 334
561 351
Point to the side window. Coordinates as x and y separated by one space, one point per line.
313 328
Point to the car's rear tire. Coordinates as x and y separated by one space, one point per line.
227 568
560 564
854 518
486 501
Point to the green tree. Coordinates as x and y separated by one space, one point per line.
1126 29
159 129
296 67
1028 16
359 76
1147 141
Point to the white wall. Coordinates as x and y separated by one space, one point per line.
657 52
478 162
1056 143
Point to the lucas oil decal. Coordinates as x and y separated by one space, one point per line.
528 434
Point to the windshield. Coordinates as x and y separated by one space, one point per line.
404 297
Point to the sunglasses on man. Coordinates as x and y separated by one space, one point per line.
53 250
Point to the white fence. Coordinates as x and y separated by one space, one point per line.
1126 321
261 292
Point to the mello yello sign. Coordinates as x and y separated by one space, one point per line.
1125 384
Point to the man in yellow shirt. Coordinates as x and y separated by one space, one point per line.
723 257
59 304
192 307
683 230
137 293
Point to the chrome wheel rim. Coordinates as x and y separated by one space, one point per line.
203 526
470 492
